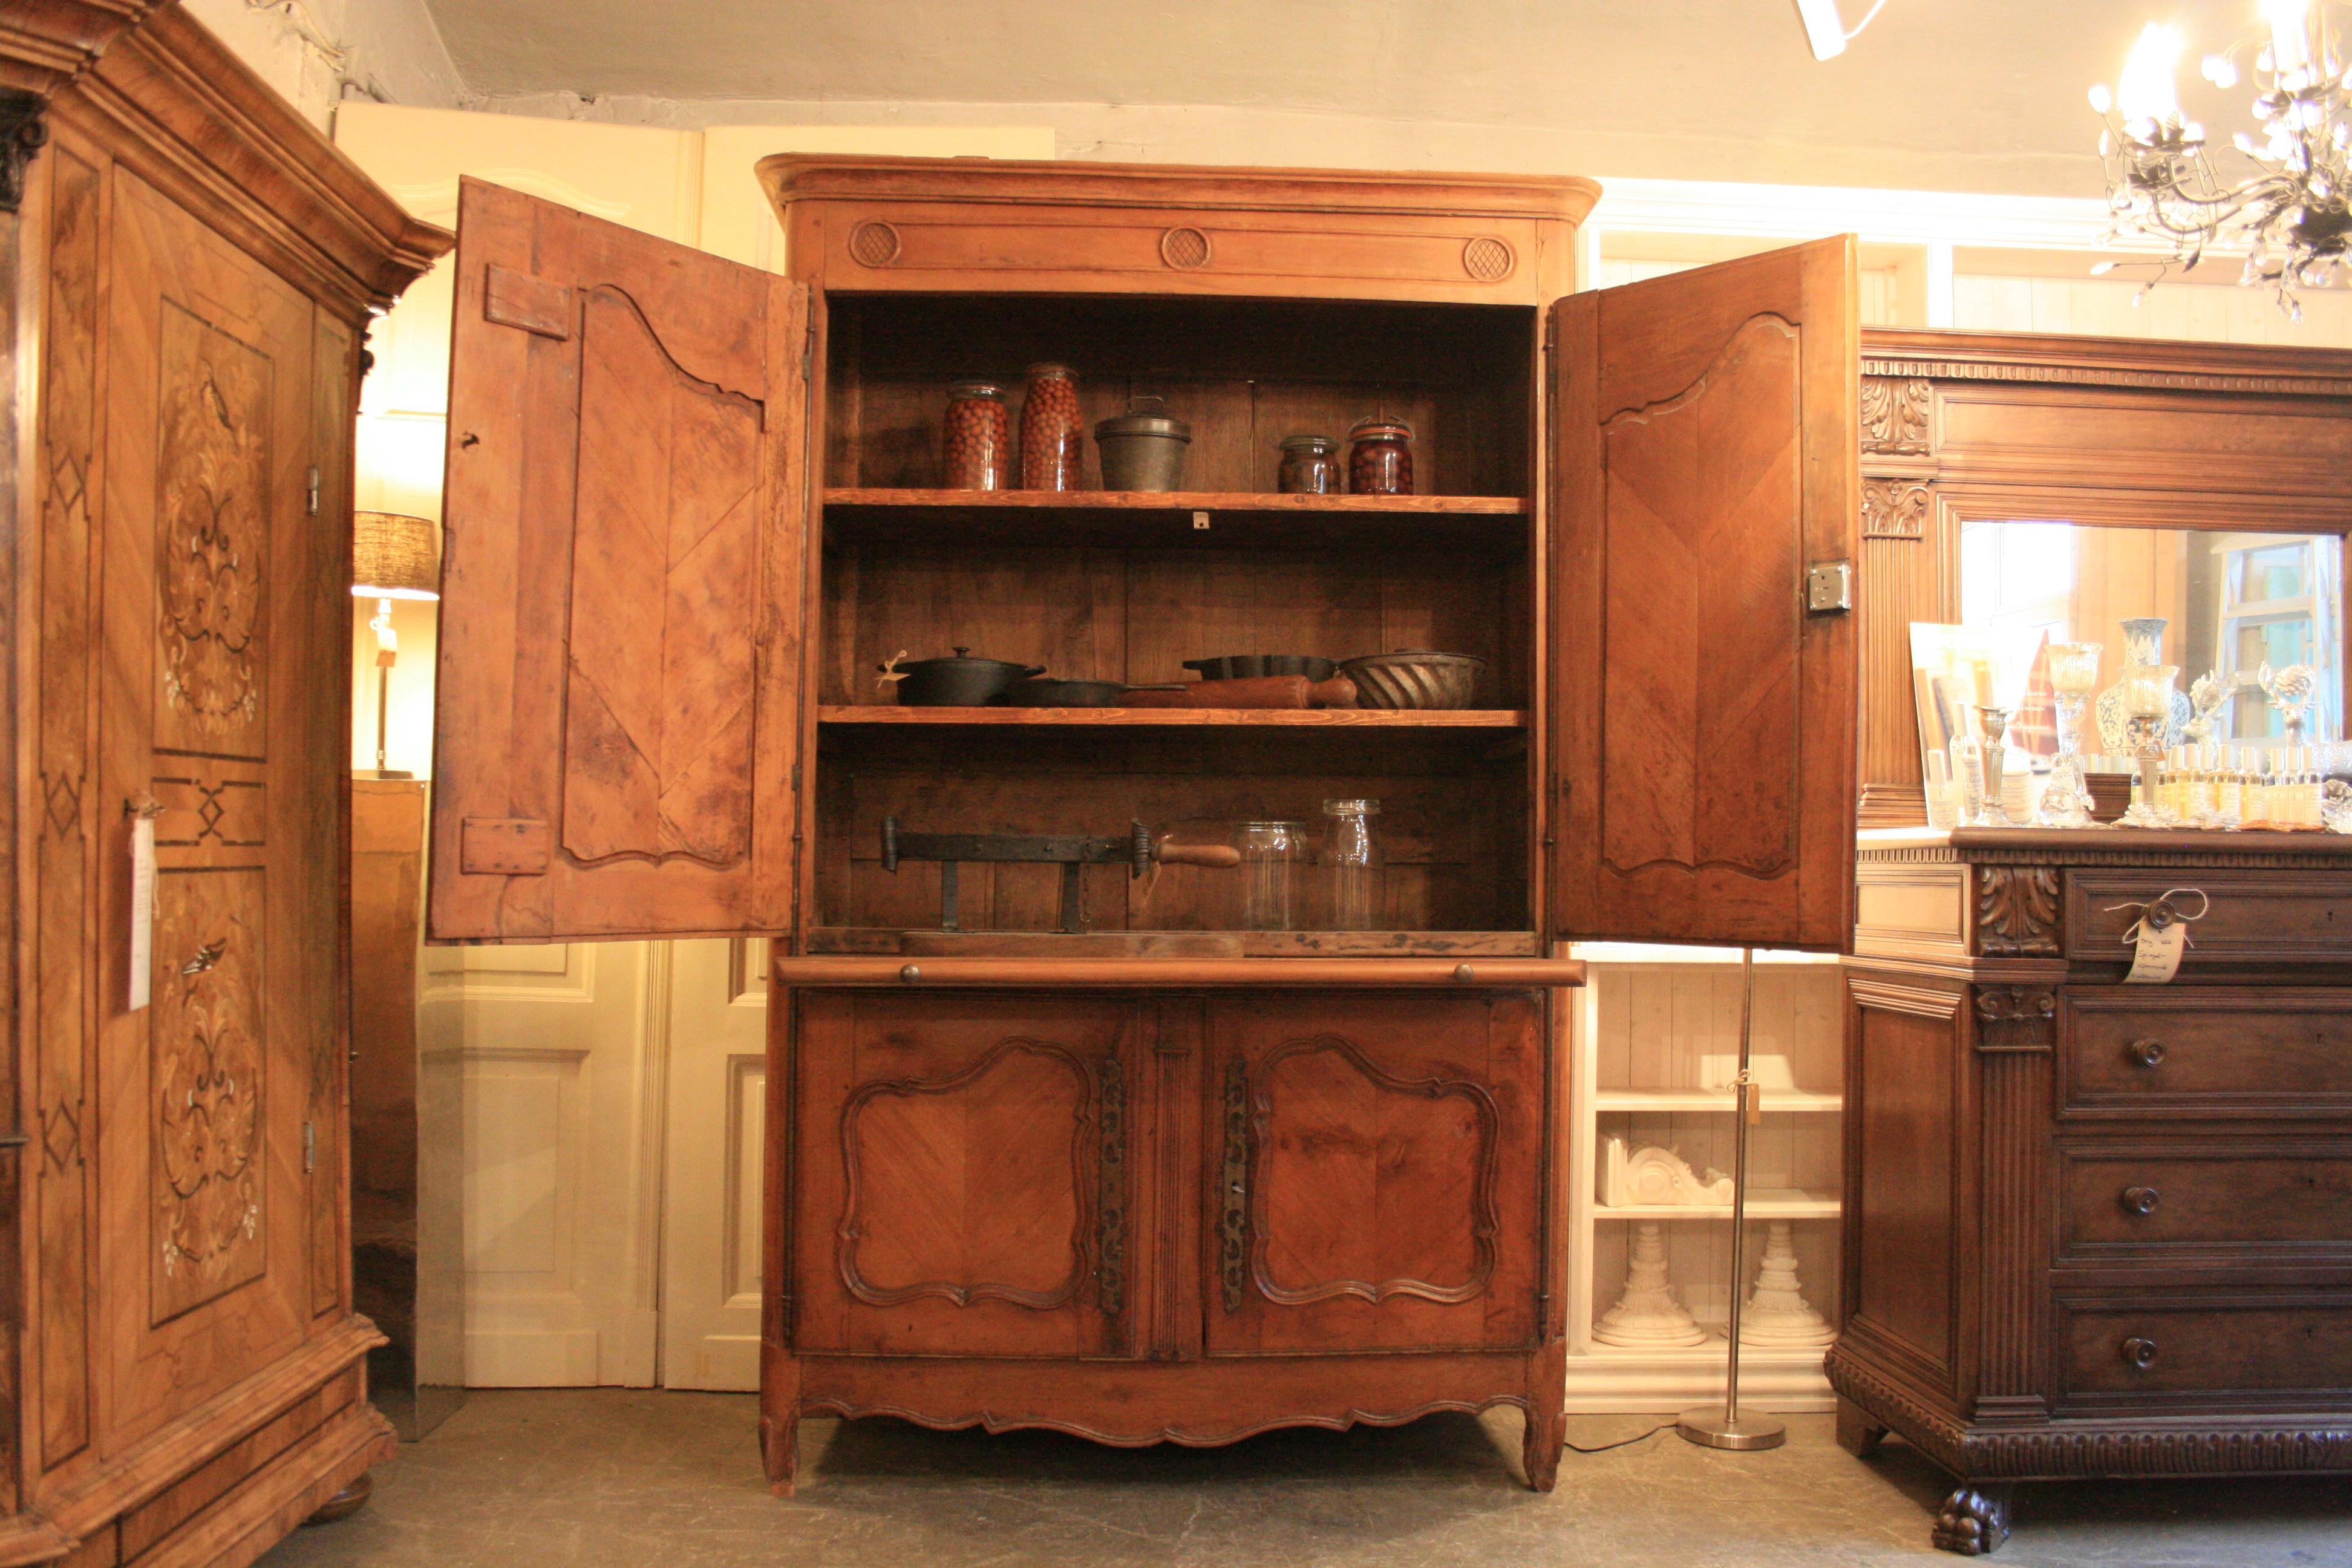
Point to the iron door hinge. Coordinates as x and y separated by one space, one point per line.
310 1146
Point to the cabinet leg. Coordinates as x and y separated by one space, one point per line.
1539 1449
346 1502
1975 1520
1857 1432
780 1419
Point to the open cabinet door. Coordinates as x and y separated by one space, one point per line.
1702 706
617 735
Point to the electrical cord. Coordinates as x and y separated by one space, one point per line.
1622 1443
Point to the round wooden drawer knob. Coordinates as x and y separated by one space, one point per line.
2140 1200
2140 1353
2146 1053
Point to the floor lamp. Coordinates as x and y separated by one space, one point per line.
393 557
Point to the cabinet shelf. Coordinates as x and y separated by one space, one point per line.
1234 519
1795 1100
1764 1202
1180 718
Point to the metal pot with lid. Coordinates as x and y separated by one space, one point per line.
961 681
1143 448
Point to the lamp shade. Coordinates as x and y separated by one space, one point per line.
393 557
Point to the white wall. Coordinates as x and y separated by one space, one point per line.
319 52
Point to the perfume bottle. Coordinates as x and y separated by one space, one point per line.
2230 787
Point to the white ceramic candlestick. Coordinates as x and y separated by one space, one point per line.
1778 1312
1648 1313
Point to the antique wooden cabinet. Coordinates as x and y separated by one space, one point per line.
2092 1228
1170 1180
189 268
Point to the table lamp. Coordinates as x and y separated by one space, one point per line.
393 557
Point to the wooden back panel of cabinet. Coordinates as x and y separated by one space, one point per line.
949 224
617 735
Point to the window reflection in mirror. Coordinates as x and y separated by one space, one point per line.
2235 601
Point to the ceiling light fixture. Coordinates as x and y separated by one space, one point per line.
1825 29
2290 215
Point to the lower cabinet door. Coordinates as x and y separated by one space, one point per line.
962 1174
1375 1172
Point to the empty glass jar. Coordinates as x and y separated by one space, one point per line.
1350 865
1272 854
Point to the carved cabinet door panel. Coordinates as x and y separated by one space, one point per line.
965 1180
1703 715
223 706
617 733
1376 1168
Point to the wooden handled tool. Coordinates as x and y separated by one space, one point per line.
1255 691
1222 856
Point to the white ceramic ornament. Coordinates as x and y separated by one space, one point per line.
1632 1178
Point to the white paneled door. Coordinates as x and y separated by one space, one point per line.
710 1226
553 1056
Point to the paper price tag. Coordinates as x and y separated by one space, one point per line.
2156 956
142 908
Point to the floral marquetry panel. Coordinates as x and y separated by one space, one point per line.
212 502
209 1077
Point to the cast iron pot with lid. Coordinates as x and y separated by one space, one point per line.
958 682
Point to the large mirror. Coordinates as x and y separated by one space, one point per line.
2233 602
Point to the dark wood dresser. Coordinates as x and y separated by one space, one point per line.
2094 1229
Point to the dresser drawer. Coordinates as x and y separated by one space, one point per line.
2251 917
2159 1201
2120 1351
2141 1051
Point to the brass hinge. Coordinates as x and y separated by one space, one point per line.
314 490
310 1146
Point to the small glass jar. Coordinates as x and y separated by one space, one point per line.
1352 864
978 439
1310 466
1052 431
1380 458
1271 855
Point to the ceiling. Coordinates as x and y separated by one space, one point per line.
1966 94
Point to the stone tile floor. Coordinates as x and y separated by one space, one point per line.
589 1477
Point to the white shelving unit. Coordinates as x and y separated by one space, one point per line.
1653 1042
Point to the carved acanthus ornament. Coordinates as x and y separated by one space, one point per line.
23 132
1895 415
2016 912
2016 1017
1895 509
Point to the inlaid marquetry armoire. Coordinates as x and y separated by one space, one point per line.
1164 1179
186 272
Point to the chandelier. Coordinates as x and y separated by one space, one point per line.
2289 213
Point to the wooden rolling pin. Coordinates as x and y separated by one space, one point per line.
1256 691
